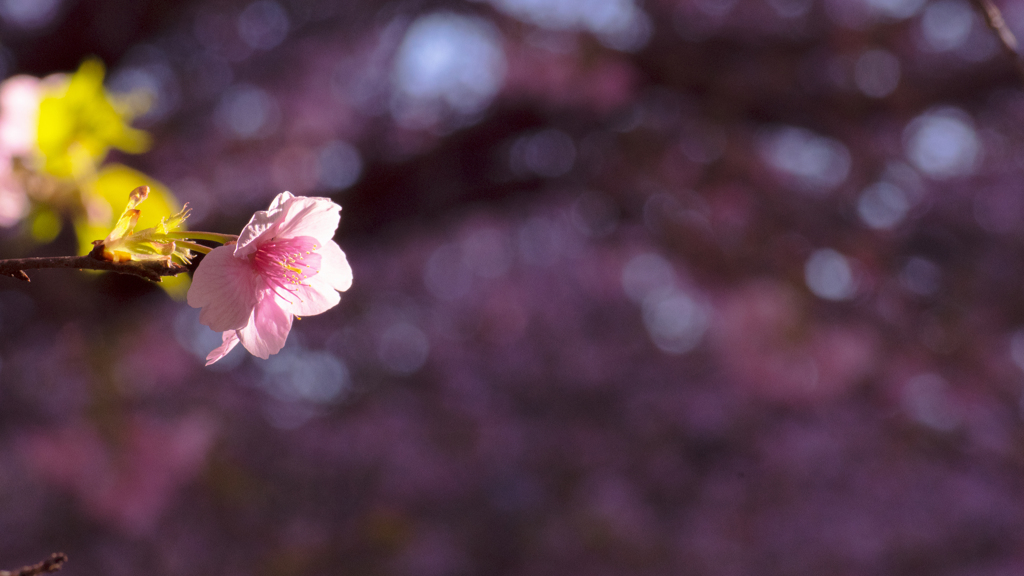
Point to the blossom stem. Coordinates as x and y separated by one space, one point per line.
193 246
194 235
148 269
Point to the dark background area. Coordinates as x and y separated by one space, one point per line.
714 287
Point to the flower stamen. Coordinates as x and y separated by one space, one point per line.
287 264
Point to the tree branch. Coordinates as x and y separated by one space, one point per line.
53 564
995 21
150 270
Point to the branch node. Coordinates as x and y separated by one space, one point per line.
19 274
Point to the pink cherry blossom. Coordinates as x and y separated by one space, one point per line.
19 115
284 264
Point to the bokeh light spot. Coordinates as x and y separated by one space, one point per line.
157 81
943 143
300 375
829 275
629 33
675 321
877 73
29 14
340 165
645 274
246 112
813 163
883 205
946 24
451 58
618 24
896 9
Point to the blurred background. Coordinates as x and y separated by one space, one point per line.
660 287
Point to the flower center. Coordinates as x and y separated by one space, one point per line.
286 264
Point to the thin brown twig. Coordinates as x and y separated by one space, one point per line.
52 564
994 19
150 270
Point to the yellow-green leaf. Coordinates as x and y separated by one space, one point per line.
106 195
79 122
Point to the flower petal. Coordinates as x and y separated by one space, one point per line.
280 200
267 329
334 268
319 293
224 287
261 225
314 297
230 340
303 216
